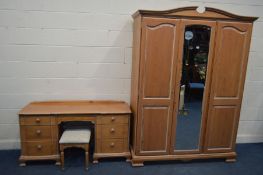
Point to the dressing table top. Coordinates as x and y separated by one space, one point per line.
76 107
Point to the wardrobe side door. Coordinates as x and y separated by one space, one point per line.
157 74
229 70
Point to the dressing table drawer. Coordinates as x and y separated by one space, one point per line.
35 120
114 131
39 148
36 132
113 146
113 119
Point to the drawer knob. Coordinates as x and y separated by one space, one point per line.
112 119
38 120
112 144
112 130
39 147
38 131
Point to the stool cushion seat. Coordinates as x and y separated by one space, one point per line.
75 136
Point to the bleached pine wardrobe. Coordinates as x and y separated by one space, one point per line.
188 76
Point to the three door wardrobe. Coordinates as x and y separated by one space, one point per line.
188 74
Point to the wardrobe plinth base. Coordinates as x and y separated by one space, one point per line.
138 160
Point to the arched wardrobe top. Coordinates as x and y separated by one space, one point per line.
191 12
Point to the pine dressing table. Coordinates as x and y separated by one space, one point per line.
39 128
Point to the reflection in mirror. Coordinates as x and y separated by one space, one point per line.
195 58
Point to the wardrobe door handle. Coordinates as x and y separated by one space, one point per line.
112 144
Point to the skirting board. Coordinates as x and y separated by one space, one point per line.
9 144
15 144
249 138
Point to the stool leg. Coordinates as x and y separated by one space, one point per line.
86 160
62 159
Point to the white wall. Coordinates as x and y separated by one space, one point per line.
81 49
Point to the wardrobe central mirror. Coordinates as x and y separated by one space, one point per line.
192 86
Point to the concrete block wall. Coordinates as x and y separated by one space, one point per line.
81 49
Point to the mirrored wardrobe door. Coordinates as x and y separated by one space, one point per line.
195 57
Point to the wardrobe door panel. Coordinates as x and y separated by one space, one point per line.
229 62
223 122
159 42
229 69
152 116
157 73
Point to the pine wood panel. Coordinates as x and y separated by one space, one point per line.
229 72
223 122
158 60
159 39
157 74
155 129
229 62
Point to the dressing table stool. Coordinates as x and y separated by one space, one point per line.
79 138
